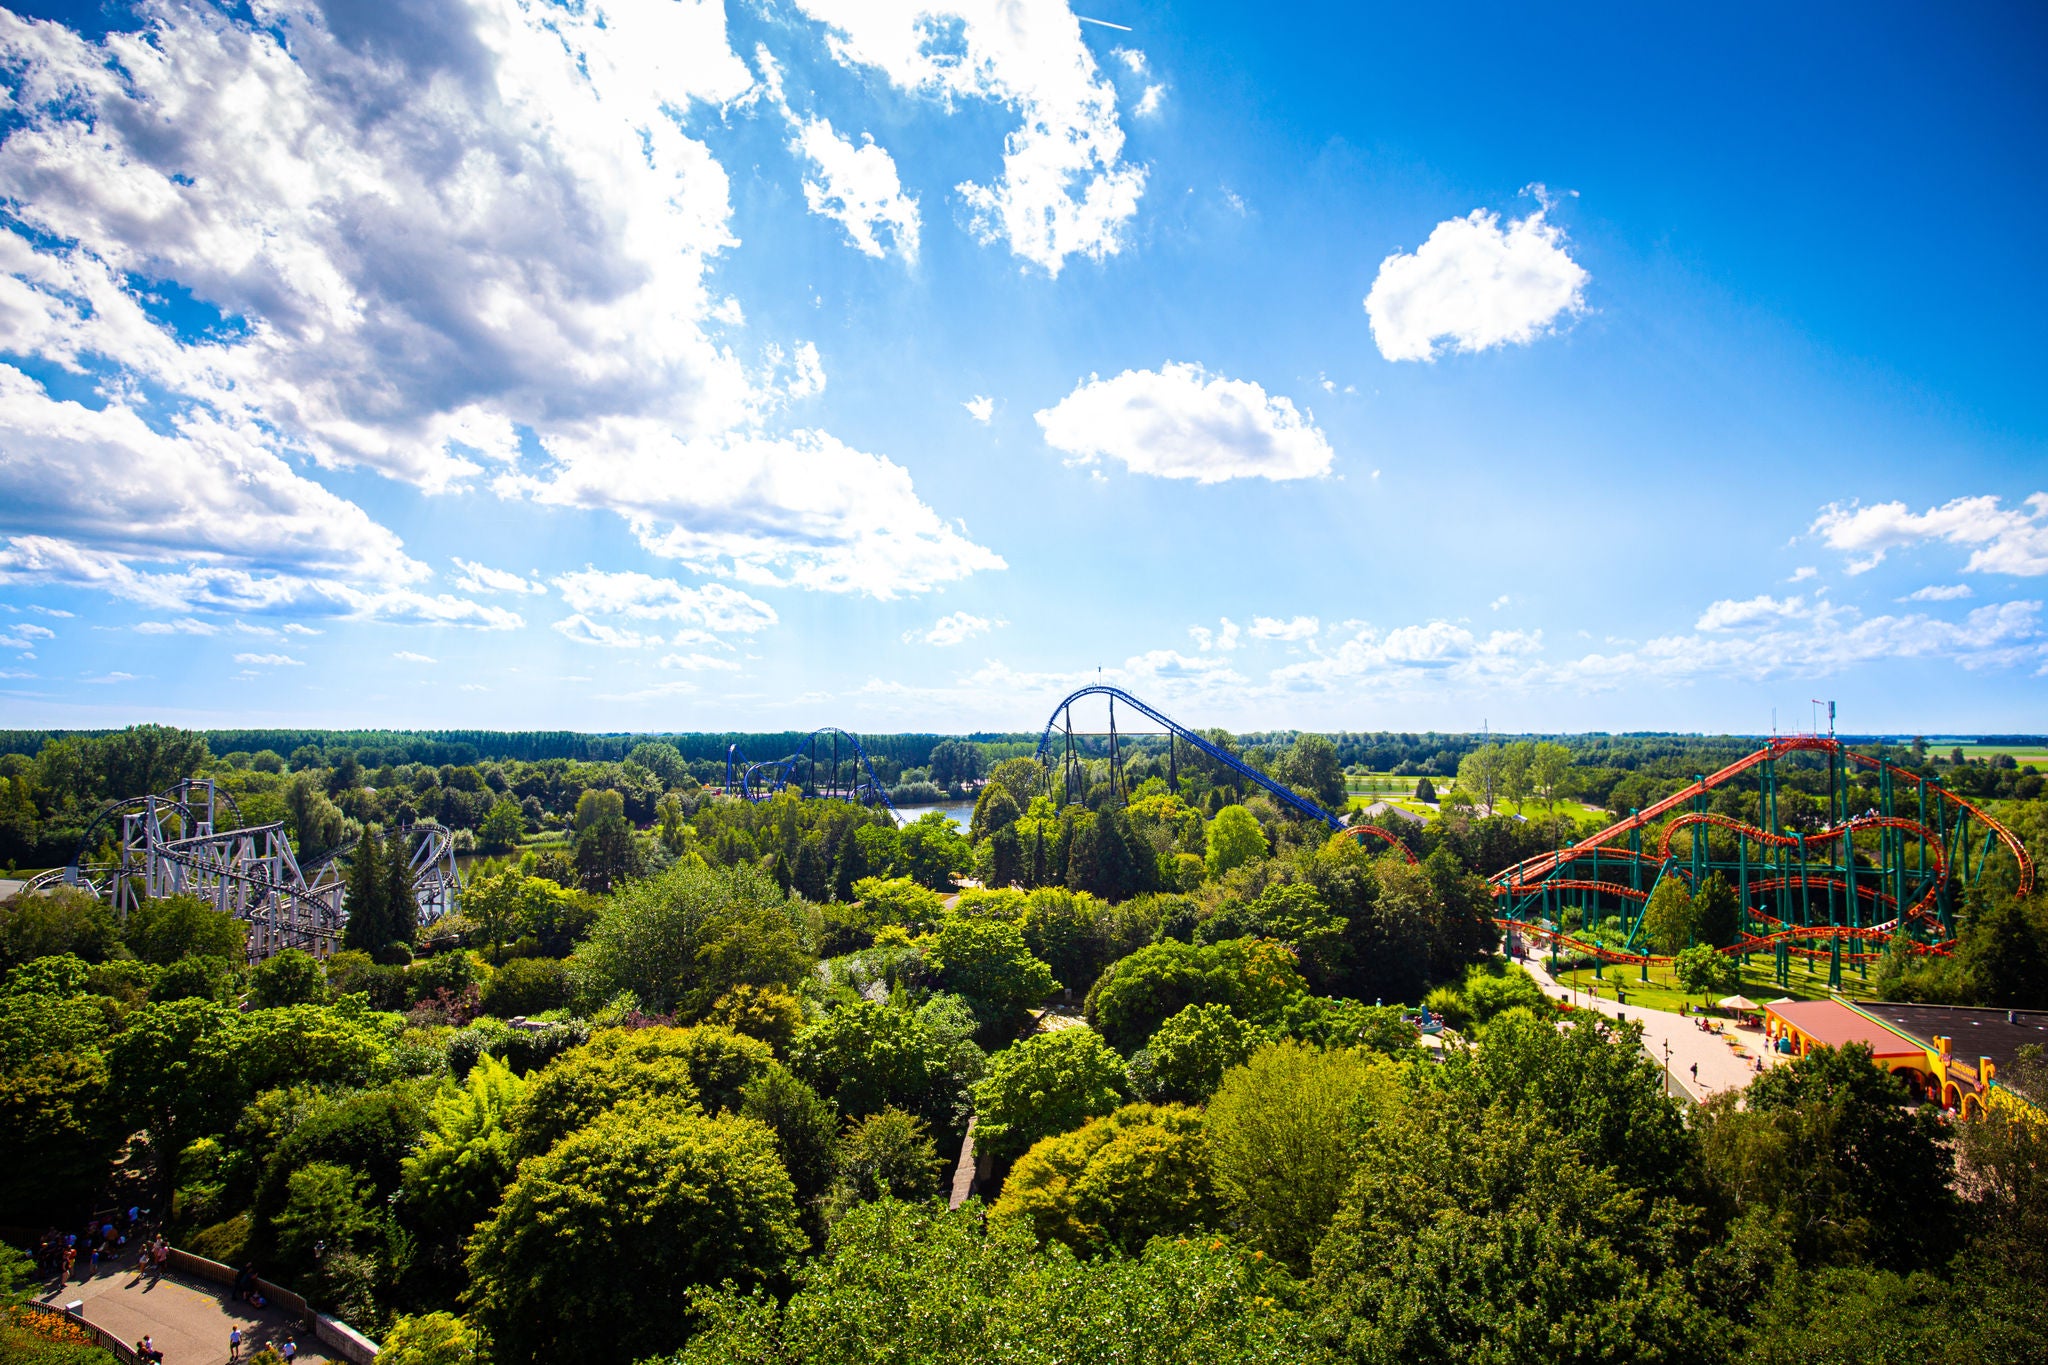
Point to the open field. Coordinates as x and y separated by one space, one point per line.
2022 754
1759 983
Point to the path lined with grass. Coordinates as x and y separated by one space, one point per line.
1721 1067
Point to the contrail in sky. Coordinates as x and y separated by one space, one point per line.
1126 28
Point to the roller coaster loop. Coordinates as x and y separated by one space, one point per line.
810 772
1841 891
1061 722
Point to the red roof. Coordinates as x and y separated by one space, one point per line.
1835 1025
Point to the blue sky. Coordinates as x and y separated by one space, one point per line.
655 366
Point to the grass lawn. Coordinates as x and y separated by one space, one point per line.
1759 983
2022 754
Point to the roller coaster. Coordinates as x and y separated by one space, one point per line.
1842 889
171 844
1071 783
801 771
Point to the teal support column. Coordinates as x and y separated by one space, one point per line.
1834 963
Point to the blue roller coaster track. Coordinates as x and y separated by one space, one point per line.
1176 735
759 781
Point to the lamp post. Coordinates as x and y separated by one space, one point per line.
1667 1066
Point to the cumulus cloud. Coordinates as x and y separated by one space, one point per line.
1474 285
2002 540
25 637
1759 610
473 577
713 606
585 631
1181 422
956 628
855 183
453 243
1299 628
1065 189
981 408
1938 592
1223 638
1802 573
1434 650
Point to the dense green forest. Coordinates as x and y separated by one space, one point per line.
686 1078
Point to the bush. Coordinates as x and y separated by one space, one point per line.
1253 978
524 986
986 963
1189 1053
173 927
291 977
768 1013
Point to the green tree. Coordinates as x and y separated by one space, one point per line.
1310 765
1279 1132
176 1069
889 1155
503 827
151 758
900 901
291 977
526 985
1827 1149
1549 765
995 809
1130 1000
1235 839
369 926
431 1339
986 963
1047 1084
2006 951
954 761
920 1285
53 923
1116 1182
769 1013
593 1252
1716 912
1669 917
806 1128
58 1127
614 1067
866 1056
607 854
1188 1054
465 1158
933 851
401 903
1702 970
681 940
1480 773
1477 1232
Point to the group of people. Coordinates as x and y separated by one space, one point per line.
104 1235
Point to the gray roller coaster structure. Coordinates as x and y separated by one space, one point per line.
171 844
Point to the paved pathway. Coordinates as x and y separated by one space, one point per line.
1719 1068
188 1320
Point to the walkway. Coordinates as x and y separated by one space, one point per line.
188 1320
1719 1068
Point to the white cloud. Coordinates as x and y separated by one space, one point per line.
185 625
271 660
1497 603
1433 652
1802 573
1759 610
585 631
1475 284
294 628
25 636
409 657
981 408
1132 58
1181 422
1827 641
1936 592
1064 189
697 663
1223 638
957 628
714 606
1271 628
473 577
856 186
1148 106
804 510
2007 541
246 629
455 244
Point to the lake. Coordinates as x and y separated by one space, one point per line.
961 813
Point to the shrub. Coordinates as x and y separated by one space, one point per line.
1044 1085
1115 1182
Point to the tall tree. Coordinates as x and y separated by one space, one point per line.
368 928
401 908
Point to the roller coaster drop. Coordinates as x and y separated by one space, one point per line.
1841 891
170 845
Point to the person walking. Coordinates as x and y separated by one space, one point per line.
1695 1073
234 1344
